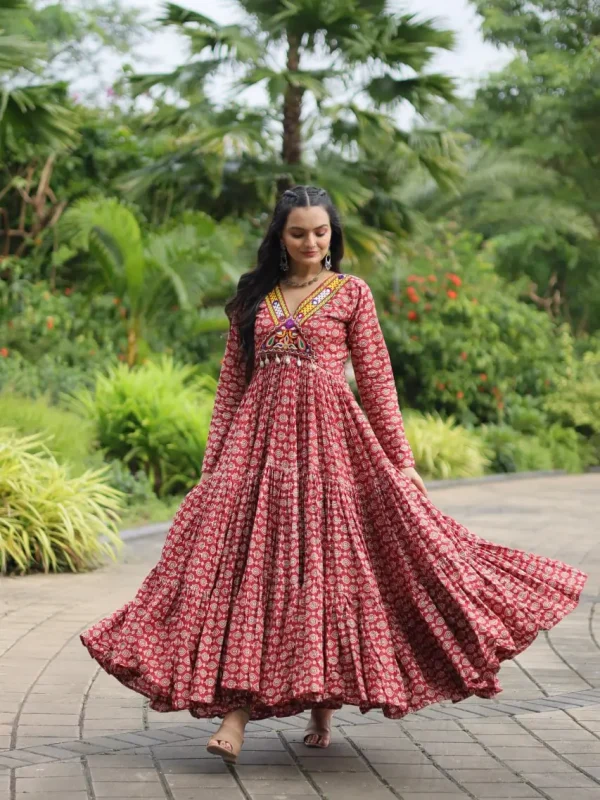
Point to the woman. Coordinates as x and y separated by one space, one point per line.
308 568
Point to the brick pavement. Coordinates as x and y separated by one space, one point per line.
70 732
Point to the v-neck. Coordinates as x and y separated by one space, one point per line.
306 300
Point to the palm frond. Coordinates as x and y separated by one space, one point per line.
36 114
17 52
109 231
420 91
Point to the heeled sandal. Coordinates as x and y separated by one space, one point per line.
312 729
231 735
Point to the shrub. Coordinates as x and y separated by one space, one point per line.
53 341
136 487
68 437
461 341
154 418
48 377
72 326
50 521
575 401
554 448
568 449
443 449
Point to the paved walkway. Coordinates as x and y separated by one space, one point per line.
70 732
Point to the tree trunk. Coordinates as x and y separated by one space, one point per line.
292 110
132 344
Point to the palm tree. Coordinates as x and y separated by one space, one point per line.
149 275
334 124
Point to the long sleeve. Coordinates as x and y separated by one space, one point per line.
230 390
375 379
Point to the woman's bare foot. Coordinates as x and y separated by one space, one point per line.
318 730
236 722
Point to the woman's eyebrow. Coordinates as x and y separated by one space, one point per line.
298 228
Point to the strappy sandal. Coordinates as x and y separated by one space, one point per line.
230 734
312 729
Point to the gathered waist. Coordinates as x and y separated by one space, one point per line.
300 365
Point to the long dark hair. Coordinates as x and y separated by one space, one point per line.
253 286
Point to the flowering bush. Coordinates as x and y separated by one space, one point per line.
461 341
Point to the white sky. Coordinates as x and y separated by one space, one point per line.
468 63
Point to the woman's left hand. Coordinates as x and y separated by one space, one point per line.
412 473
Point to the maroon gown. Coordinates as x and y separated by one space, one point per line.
307 568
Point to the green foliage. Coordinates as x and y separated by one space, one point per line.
51 521
461 341
150 274
73 327
49 377
553 448
154 418
53 340
76 37
443 449
146 512
69 438
32 114
576 401
136 487
545 103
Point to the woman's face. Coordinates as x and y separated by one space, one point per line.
307 235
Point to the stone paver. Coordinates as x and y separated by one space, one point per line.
70 732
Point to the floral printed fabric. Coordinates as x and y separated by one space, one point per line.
306 569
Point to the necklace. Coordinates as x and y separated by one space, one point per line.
288 282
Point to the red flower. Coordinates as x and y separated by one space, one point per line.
464 355
412 315
454 278
440 386
412 278
412 295
431 278
475 300
50 323
116 300
460 395
452 294
68 291
483 376
3 352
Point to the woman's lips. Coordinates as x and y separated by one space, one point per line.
310 252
